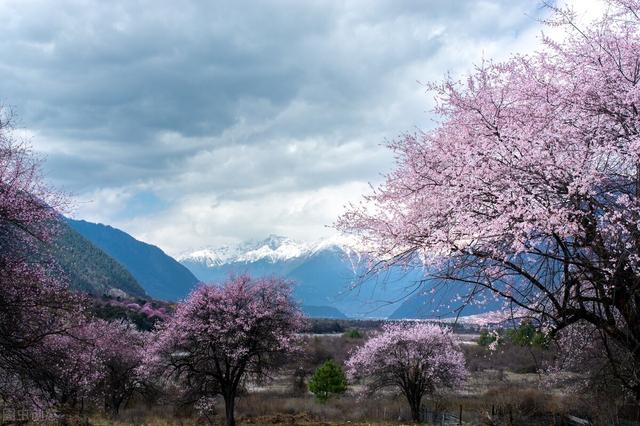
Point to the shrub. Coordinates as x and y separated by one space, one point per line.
486 338
353 334
328 380
527 335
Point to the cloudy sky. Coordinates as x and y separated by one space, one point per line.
200 123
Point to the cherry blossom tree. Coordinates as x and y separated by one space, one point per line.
51 353
96 362
120 350
223 334
34 301
416 359
528 187
580 350
66 370
27 205
33 306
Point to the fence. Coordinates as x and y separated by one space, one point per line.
507 415
440 417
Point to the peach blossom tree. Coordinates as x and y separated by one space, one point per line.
417 360
35 303
221 335
528 188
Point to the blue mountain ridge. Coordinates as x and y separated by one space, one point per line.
328 278
327 284
159 274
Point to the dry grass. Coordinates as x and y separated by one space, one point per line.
502 405
273 420
522 406
346 408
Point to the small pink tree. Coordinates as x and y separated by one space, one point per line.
416 359
223 334
95 362
119 350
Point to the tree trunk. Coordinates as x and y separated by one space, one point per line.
229 408
414 399
116 402
415 412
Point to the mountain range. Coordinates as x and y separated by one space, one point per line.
324 273
330 277
329 274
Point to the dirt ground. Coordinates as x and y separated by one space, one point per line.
306 420
271 420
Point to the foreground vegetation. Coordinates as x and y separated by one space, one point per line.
505 387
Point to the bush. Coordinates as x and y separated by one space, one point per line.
318 349
508 357
353 334
486 338
328 380
527 335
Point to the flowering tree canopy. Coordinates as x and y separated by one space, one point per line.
223 333
417 359
27 205
51 353
34 301
119 350
95 361
529 186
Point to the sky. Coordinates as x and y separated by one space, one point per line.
201 123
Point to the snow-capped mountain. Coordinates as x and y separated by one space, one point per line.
272 249
329 275
325 272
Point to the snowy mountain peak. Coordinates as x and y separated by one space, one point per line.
274 241
209 256
273 249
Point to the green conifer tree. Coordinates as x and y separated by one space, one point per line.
327 380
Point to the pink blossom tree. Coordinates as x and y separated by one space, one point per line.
66 370
579 350
416 359
34 301
34 305
528 188
51 353
27 206
120 350
222 334
94 363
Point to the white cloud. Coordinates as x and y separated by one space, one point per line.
205 220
